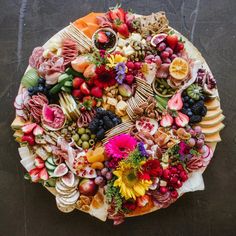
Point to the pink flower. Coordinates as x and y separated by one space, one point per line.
120 146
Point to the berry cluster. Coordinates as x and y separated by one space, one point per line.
194 109
173 176
133 70
103 121
40 88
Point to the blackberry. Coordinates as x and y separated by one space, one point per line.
116 121
100 134
108 124
41 81
195 119
111 114
197 108
203 111
184 111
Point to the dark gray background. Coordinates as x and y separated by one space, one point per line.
28 209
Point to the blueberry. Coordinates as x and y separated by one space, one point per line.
184 111
30 89
189 113
40 88
186 98
186 105
189 109
41 81
191 101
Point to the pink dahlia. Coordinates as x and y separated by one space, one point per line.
120 146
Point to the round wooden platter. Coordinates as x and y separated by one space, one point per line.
192 51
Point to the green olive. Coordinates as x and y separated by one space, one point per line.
87 131
84 137
93 136
79 142
91 142
85 145
75 137
81 130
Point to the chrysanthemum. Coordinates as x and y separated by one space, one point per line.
104 78
113 60
129 183
120 146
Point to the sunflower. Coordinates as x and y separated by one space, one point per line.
115 59
128 182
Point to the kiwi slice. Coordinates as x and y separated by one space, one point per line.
194 91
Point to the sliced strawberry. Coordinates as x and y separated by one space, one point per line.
27 129
43 174
77 81
175 103
179 46
143 200
96 92
117 13
89 102
29 138
39 162
34 174
167 120
172 40
38 131
181 120
102 37
123 29
84 89
77 93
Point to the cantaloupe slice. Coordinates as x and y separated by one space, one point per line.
212 114
214 129
212 104
212 138
212 122
80 24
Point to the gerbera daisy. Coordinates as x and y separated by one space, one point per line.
151 168
115 59
128 181
120 146
104 78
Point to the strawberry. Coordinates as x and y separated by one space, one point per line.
77 93
175 103
43 174
90 82
27 129
172 40
102 37
96 92
117 13
129 79
34 174
89 102
29 138
179 46
39 162
122 28
77 81
84 89
38 131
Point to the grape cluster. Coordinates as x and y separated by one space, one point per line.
103 121
197 138
194 109
103 176
40 88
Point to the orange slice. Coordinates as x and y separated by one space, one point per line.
179 68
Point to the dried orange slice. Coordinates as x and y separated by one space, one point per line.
179 68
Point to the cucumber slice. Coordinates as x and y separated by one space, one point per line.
57 88
49 166
68 84
50 172
51 182
50 161
62 77
66 89
71 71
30 78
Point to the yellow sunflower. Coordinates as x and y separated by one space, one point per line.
115 59
128 182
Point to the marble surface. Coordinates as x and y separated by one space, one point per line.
29 210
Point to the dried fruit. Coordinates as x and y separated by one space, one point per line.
175 103
179 68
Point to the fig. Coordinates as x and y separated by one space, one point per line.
125 90
167 120
60 170
175 103
68 179
181 120
88 187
